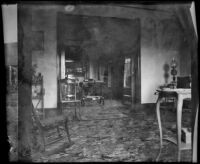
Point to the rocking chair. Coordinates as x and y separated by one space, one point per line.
57 123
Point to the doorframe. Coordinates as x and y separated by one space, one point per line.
135 78
133 81
137 69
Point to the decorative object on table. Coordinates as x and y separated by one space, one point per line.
174 71
171 85
184 82
166 73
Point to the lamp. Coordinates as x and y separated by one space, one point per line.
174 71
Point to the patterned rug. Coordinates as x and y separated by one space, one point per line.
114 132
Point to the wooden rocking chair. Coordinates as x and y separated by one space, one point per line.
57 123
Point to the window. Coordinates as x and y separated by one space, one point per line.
127 73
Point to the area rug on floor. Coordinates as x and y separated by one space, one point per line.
115 133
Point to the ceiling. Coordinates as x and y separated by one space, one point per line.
178 10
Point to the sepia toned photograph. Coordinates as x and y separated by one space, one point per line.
101 82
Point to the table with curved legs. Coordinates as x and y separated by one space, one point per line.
180 95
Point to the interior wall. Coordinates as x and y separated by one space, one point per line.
45 21
152 62
165 40
185 58
160 42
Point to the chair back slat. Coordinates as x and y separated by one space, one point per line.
35 116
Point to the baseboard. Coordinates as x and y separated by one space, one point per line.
144 106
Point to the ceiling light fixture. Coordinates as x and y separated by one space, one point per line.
69 8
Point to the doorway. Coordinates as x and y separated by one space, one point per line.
128 80
131 80
112 39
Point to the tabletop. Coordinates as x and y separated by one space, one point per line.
177 90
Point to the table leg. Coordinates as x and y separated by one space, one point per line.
67 129
175 105
75 113
159 124
61 105
79 110
179 118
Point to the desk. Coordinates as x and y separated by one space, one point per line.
180 95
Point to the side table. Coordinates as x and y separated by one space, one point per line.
180 95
